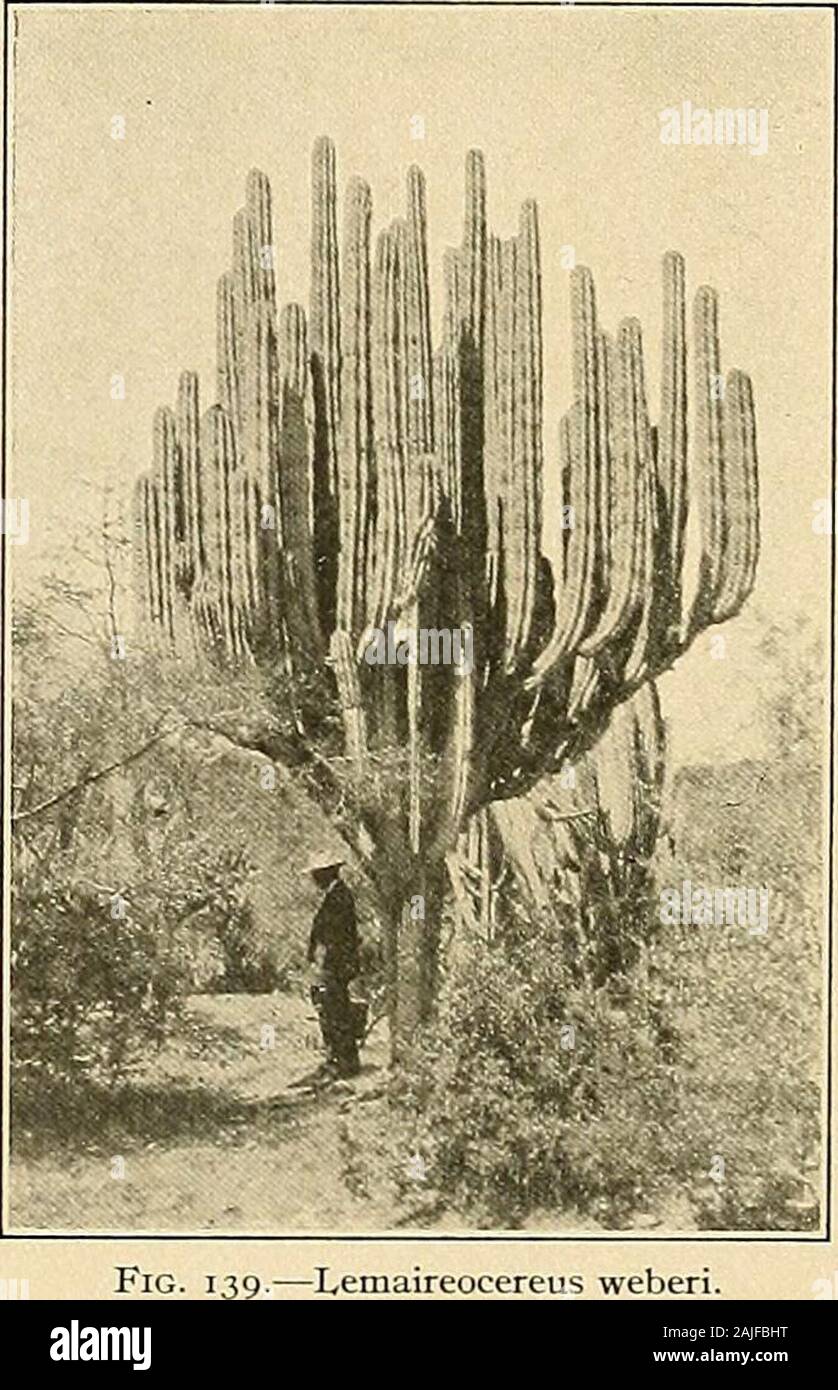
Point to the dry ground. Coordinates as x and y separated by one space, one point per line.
214 1136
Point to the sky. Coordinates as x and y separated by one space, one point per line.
117 243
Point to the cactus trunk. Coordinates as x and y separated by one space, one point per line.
413 902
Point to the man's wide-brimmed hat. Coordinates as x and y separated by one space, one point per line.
321 861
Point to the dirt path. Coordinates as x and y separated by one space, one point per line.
215 1138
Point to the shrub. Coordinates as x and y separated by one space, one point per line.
534 1090
98 979
247 968
90 991
750 1105
706 1052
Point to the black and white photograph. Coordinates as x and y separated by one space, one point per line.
417 520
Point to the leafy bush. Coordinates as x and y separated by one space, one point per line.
749 1100
90 990
98 978
247 968
533 1090
705 1053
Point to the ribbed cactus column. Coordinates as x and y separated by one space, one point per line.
611 847
354 474
588 842
325 363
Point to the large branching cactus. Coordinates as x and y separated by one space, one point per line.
351 474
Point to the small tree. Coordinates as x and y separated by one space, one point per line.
101 917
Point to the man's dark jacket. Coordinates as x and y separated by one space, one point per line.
335 928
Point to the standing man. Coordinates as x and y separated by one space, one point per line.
333 946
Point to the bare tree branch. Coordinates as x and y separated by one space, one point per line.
91 778
69 631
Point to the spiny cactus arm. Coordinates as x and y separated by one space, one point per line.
422 465
259 215
219 450
516 828
652 585
473 253
408 483
447 396
584 687
465 555
707 480
398 548
444 426
397 348
418 571
342 660
576 596
521 510
460 766
257 511
324 314
415 681
384 564
356 411
260 444
147 555
240 578
478 869
463 892
741 497
252 571
419 349
628 764
243 369
167 478
253 282
722 478
228 366
140 558
244 297
414 612
387 554
606 370
468 284
672 434
324 346
650 749
300 613
624 482
496 411
245 264
188 425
